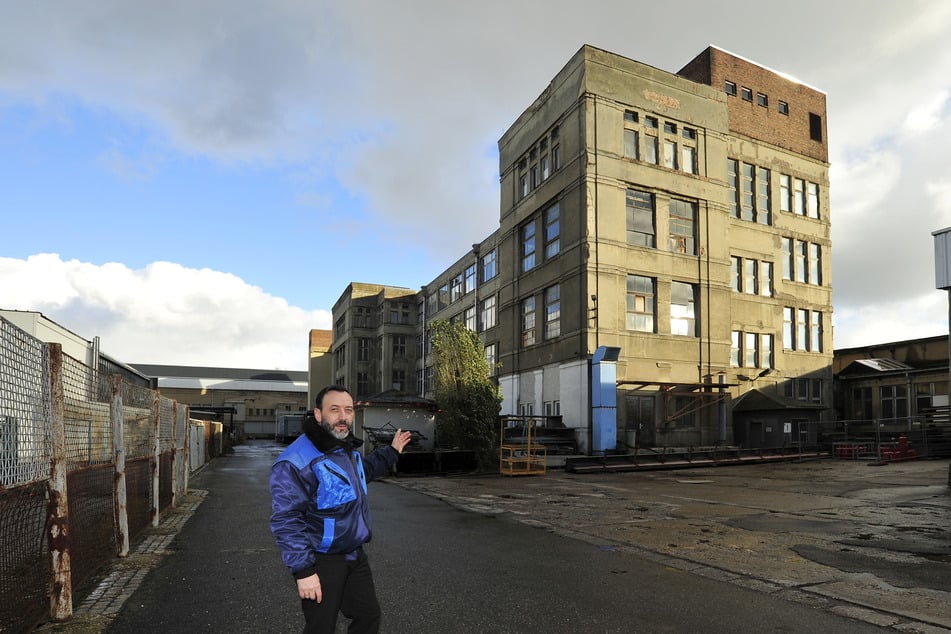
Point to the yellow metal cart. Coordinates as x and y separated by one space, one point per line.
519 453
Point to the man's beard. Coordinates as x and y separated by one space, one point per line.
339 435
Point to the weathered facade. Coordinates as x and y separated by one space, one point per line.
679 219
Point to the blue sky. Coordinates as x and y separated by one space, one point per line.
197 182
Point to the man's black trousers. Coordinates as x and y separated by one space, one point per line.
347 587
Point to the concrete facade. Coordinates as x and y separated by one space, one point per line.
659 214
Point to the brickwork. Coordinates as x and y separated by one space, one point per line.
791 131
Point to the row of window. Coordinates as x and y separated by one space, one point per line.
641 314
644 141
751 193
550 408
894 400
762 99
802 261
751 276
802 329
551 328
641 222
461 285
551 228
539 163
751 349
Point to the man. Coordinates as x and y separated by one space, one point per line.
321 515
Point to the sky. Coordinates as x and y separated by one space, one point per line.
196 182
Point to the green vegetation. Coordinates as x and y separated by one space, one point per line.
468 399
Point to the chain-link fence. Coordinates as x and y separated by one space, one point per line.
87 462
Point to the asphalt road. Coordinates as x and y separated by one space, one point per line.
438 569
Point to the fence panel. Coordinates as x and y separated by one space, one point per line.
24 470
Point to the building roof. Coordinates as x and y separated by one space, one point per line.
395 398
192 377
756 400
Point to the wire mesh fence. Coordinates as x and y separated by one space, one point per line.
123 449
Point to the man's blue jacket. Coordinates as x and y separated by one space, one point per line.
319 502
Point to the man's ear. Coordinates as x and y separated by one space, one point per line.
317 414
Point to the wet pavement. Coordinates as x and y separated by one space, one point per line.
872 543
869 541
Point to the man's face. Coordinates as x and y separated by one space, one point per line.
336 414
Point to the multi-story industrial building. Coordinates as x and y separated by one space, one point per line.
677 222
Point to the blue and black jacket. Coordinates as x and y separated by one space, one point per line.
319 502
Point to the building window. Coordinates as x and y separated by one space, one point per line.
751 350
766 351
630 116
747 194
801 257
640 218
456 287
641 305
785 193
733 181
766 279
492 358
815 343
736 274
815 127
399 380
783 108
789 338
670 128
650 149
683 226
399 346
787 258
487 312
730 88
894 401
862 403
802 329
528 321
763 201
735 348
339 326
552 231
762 100
815 264
363 349
361 317
443 296
631 138
746 94
751 277
689 163
470 279
670 155
363 383
799 200
470 318
552 311
528 246
489 269
924 397
683 309
812 200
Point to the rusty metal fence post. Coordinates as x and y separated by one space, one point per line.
119 493
61 587
156 456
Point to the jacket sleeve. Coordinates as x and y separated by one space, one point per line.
289 503
380 462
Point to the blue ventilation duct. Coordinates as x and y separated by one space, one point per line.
604 399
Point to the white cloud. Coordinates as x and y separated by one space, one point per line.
163 313
881 322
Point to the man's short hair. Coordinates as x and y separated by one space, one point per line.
318 402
